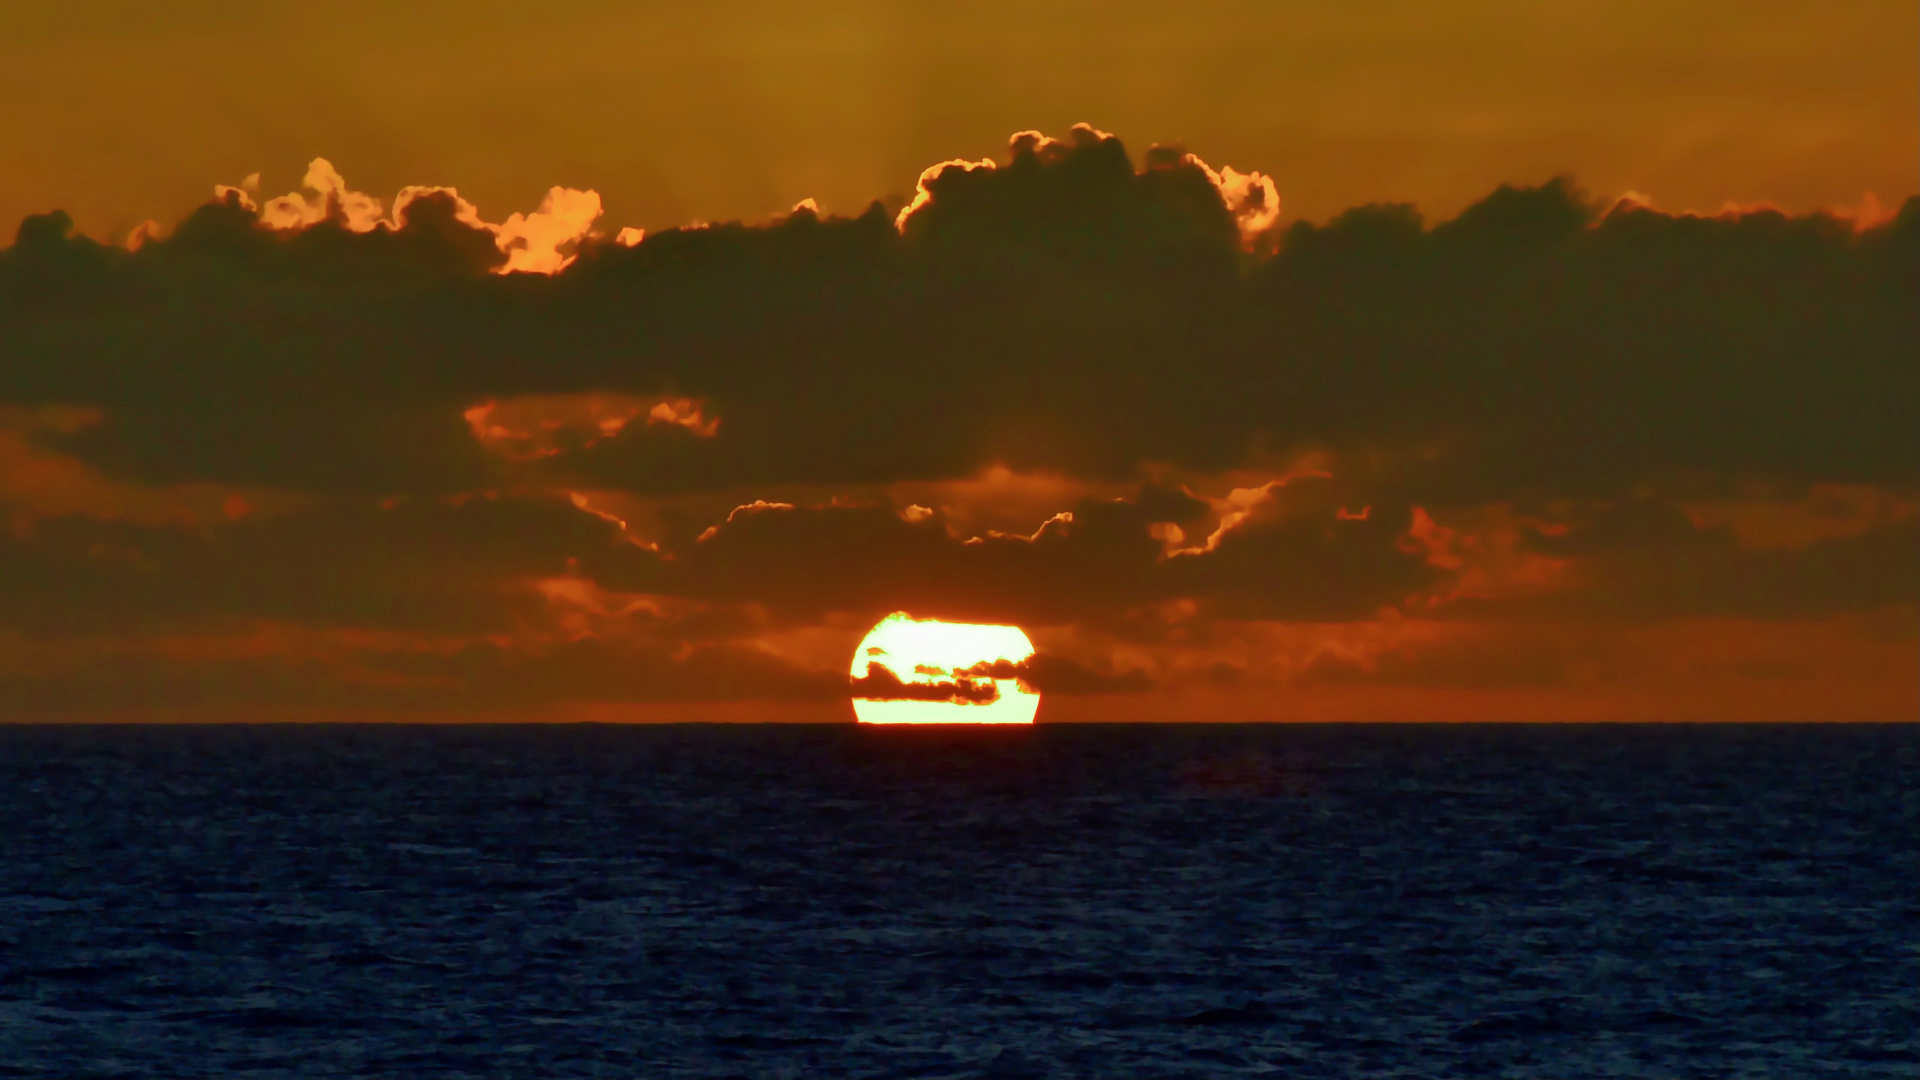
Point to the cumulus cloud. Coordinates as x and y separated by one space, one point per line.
326 197
1252 198
541 242
1063 310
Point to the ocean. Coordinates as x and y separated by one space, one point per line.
1055 901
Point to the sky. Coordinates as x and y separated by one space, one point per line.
123 110
1369 361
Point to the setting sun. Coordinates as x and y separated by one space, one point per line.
924 671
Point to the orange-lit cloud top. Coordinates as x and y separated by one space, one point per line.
543 425
317 450
1867 213
541 242
1250 198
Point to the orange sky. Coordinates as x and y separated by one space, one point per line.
381 449
122 110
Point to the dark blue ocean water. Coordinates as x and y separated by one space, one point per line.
1059 901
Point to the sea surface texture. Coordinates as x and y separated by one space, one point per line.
1122 901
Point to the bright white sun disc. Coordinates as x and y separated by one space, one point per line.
928 651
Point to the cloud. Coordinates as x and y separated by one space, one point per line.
1292 557
466 566
1252 198
541 242
536 426
1046 673
1062 311
1646 559
881 684
332 200
1105 396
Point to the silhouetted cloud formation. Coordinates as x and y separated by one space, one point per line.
1063 311
1532 411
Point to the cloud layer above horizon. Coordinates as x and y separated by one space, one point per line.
323 454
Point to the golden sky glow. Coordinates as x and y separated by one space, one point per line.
123 110
929 652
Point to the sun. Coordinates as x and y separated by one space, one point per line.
942 673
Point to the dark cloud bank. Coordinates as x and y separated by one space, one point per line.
1067 312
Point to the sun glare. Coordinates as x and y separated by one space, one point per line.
927 653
